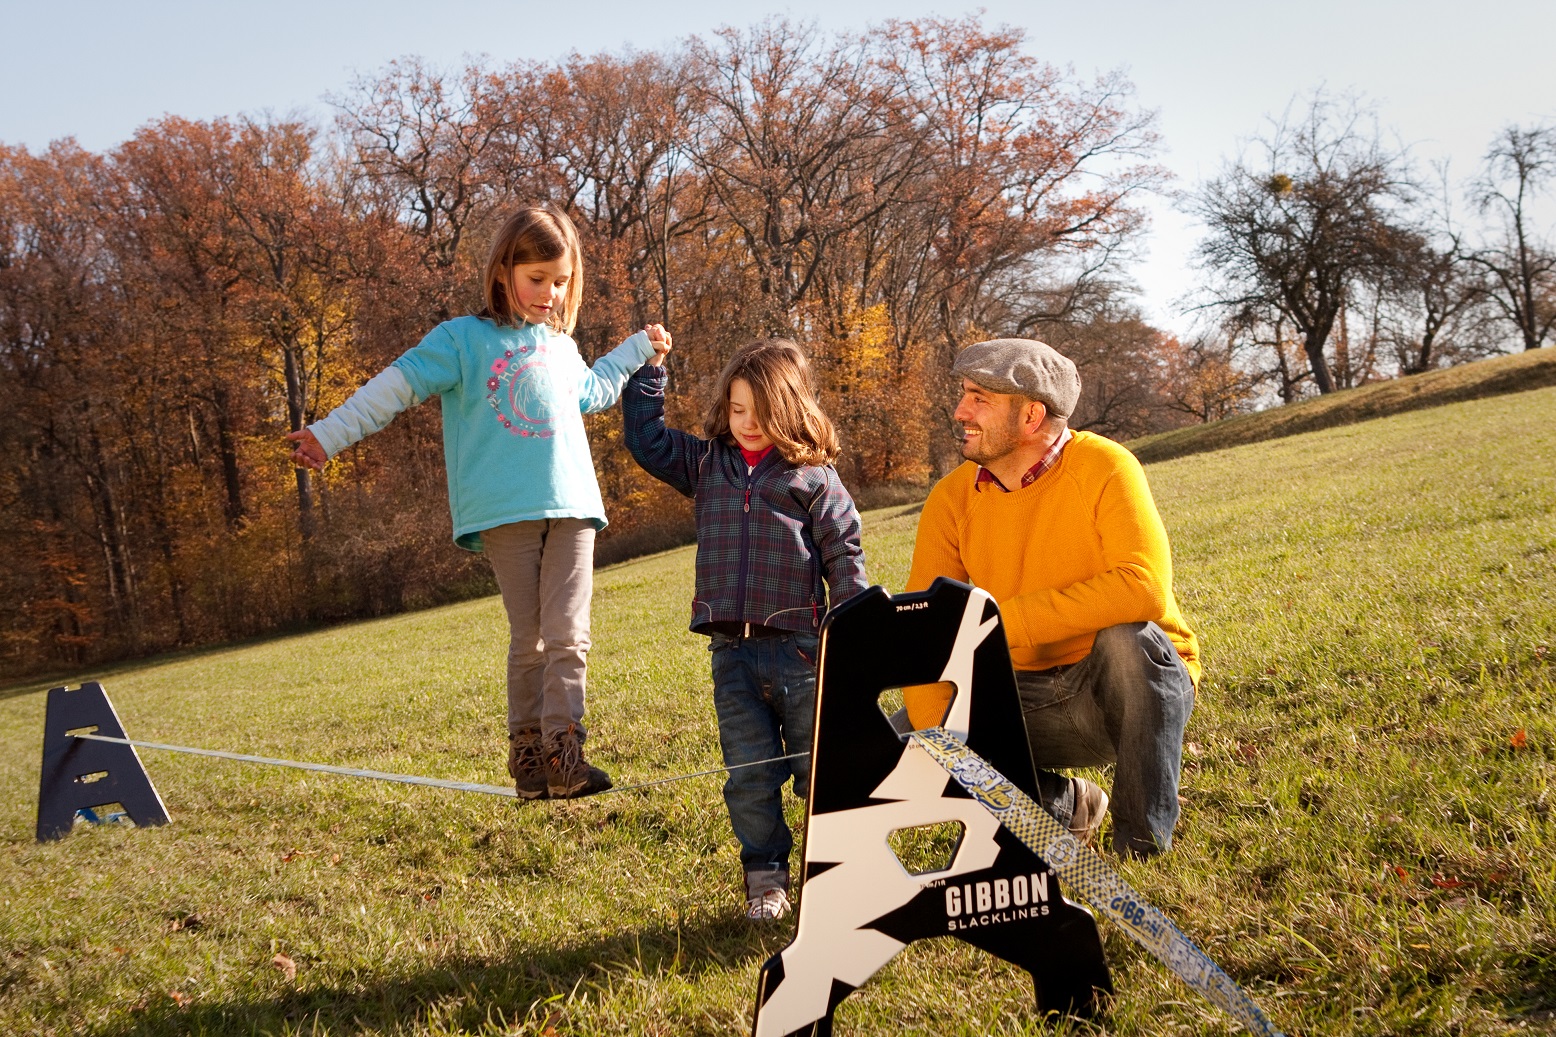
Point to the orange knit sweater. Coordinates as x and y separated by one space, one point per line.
1081 549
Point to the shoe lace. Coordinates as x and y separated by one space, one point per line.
567 755
770 903
528 753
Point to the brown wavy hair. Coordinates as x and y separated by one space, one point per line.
534 234
785 399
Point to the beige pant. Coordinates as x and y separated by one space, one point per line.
545 570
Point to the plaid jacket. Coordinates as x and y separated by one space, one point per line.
771 541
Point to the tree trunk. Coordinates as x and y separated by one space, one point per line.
226 447
1315 357
295 417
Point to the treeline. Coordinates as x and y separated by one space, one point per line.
170 307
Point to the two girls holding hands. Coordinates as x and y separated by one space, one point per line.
777 534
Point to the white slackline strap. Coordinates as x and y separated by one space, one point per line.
701 774
1086 873
406 779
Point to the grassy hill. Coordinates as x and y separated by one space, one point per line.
1524 371
1367 841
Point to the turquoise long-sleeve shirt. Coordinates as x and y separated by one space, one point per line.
513 406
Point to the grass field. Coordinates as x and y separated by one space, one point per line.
1367 843
1521 372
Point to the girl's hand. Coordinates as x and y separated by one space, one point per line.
308 453
660 339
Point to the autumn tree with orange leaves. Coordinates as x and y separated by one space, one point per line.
169 308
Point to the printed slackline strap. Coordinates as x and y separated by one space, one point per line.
1087 874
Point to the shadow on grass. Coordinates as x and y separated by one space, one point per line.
468 993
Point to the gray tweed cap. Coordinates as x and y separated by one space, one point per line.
1026 367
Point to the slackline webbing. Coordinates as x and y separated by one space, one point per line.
410 779
1086 873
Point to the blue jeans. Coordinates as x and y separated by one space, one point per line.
764 691
1125 703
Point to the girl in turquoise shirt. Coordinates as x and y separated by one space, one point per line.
521 482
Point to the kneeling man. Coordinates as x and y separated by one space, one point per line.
1060 528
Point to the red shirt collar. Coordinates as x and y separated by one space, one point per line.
754 457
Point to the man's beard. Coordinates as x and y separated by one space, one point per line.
988 445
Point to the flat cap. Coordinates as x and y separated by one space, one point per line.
1026 367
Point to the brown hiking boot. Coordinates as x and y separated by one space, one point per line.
568 775
527 764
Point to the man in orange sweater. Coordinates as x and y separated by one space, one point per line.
1059 526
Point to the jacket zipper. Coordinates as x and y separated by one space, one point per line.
745 545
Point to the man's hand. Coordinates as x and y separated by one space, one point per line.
308 453
660 339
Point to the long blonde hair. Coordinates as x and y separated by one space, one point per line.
534 234
785 400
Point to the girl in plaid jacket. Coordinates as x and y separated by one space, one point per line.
777 542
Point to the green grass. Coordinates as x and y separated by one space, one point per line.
1364 846
1535 369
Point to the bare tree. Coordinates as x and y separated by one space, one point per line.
1295 228
801 143
421 152
1435 297
1522 265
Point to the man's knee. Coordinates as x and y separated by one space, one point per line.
1137 662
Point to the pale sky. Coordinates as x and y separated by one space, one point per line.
1445 76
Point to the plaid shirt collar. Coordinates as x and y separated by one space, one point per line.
987 480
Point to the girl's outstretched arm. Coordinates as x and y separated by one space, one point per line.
667 454
369 409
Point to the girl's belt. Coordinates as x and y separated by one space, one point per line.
729 628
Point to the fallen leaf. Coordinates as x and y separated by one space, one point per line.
1247 750
179 997
179 923
1194 748
1442 883
294 852
1402 873
287 966
1520 739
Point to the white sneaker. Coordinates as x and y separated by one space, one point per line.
768 905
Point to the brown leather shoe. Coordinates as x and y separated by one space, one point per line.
1091 806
